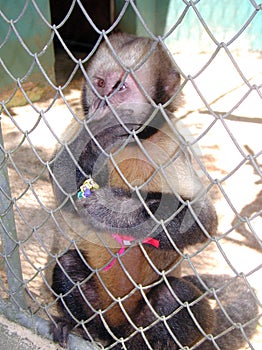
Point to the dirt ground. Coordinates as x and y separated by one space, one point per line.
231 149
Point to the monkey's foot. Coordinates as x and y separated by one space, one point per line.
61 332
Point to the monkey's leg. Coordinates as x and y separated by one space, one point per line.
239 305
76 290
171 323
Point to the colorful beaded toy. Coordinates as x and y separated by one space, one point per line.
87 187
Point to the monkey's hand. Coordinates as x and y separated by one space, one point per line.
112 210
161 216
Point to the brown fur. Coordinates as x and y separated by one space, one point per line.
159 166
122 279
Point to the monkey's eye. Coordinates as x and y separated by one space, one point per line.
100 83
121 88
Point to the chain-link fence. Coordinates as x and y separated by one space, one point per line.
102 267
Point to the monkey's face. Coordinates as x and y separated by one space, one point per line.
129 71
112 89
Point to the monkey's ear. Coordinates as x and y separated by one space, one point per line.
172 82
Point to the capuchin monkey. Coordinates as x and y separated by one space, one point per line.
129 176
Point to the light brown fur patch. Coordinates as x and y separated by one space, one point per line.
115 281
159 165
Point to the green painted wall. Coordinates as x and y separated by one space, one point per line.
224 18
35 35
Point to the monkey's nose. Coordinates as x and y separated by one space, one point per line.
99 104
97 108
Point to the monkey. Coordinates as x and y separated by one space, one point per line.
145 205
95 95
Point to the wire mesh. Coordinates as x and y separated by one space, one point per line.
221 126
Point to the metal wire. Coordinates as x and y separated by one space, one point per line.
28 190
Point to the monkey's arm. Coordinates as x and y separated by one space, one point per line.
63 166
117 211
66 172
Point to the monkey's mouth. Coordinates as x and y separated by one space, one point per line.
142 131
131 129
145 122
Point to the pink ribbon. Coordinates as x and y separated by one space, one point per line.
126 240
